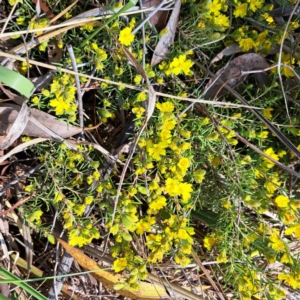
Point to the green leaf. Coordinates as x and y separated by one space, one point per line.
15 36
142 190
126 236
3 297
51 239
14 279
16 81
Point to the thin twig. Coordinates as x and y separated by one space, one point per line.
271 127
8 18
280 57
15 206
51 67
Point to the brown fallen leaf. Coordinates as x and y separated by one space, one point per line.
9 113
162 48
147 291
54 53
159 19
232 73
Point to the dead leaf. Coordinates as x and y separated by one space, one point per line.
229 50
21 147
54 53
14 128
159 19
9 113
162 48
232 73
147 291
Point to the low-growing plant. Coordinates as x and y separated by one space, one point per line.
192 183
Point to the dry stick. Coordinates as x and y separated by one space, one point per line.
271 127
217 289
280 56
14 206
203 110
74 22
272 67
123 176
9 17
78 89
51 67
206 90
149 17
257 150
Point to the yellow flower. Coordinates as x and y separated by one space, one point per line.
263 135
221 20
181 64
172 187
132 22
158 203
141 96
20 20
126 37
183 163
79 209
256 4
30 188
165 107
88 200
241 10
182 259
221 258
138 111
209 241
143 226
137 79
215 7
68 15
185 146
289 279
267 113
58 196
286 259
35 216
120 264
35 100
276 243
270 152
101 55
77 240
168 125
246 44
199 175
294 229
201 25
157 150
160 80
118 71
185 191
226 204
282 201
281 153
